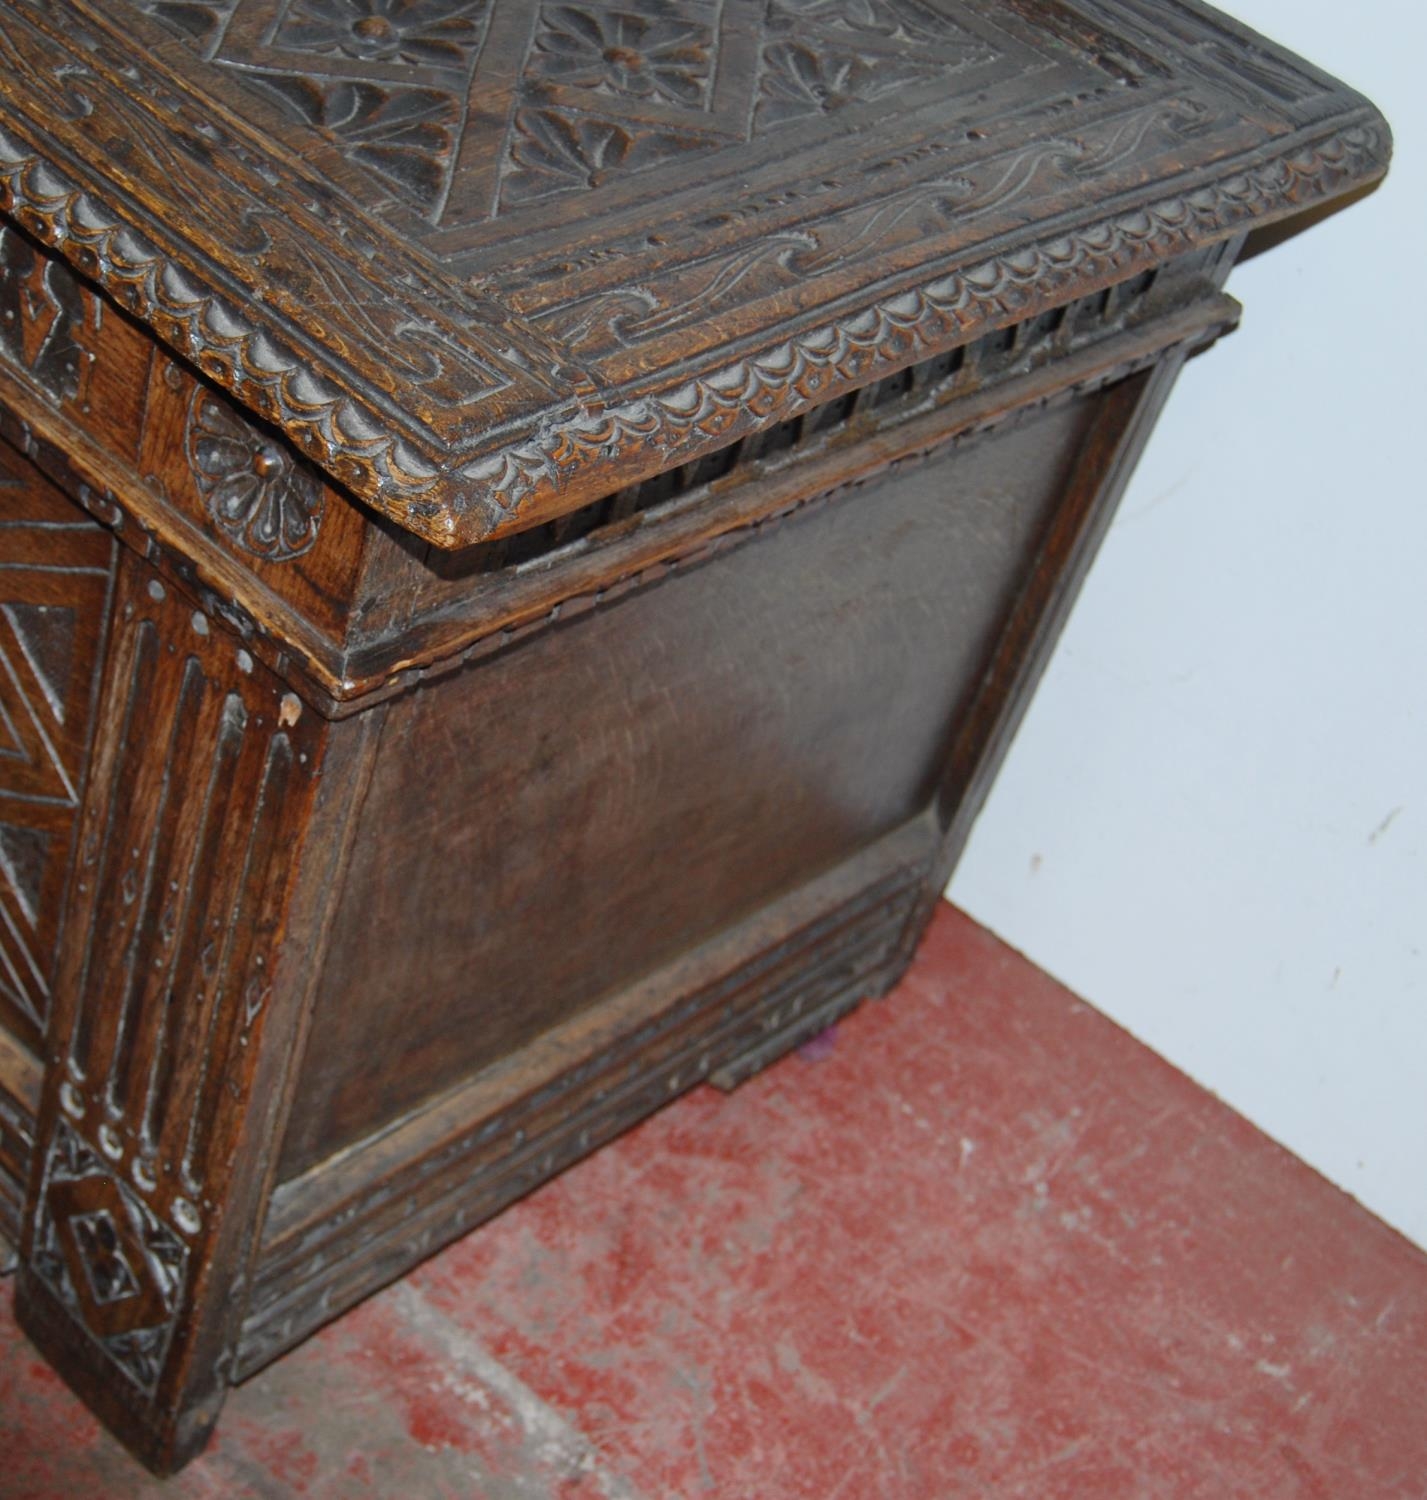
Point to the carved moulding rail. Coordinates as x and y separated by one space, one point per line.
710 410
594 575
578 448
348 1225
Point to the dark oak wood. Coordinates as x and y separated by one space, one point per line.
525 532
487 261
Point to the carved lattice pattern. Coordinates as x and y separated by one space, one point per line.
588 92
54 586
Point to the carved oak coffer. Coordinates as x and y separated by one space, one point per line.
525 530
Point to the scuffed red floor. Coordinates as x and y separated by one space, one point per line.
979 1243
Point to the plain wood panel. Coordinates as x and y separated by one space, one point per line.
551 824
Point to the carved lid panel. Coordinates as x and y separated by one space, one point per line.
485 260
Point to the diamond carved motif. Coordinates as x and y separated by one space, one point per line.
108 1257
570 96
54 581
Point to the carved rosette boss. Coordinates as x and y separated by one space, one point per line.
254 489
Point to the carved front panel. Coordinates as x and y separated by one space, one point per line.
55 574
204 767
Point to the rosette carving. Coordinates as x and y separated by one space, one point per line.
255 490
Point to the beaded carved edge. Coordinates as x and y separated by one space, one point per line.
577 449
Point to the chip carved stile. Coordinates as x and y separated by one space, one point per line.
203 764
56 572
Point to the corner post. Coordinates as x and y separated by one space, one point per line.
185 966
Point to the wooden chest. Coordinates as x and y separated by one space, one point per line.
525 531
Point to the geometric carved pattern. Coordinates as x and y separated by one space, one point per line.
202 766
54 586
599 90
108 1257
41 307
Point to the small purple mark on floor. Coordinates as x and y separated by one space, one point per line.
990 1247
820 1047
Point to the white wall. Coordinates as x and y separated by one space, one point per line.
1213 823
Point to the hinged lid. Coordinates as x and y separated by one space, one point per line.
487 260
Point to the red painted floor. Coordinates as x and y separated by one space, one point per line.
978 1242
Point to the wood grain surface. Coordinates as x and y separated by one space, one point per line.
485 262
525 533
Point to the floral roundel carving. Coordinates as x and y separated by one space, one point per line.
255 490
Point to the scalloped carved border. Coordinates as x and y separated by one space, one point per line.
325 422
712 410
572 449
